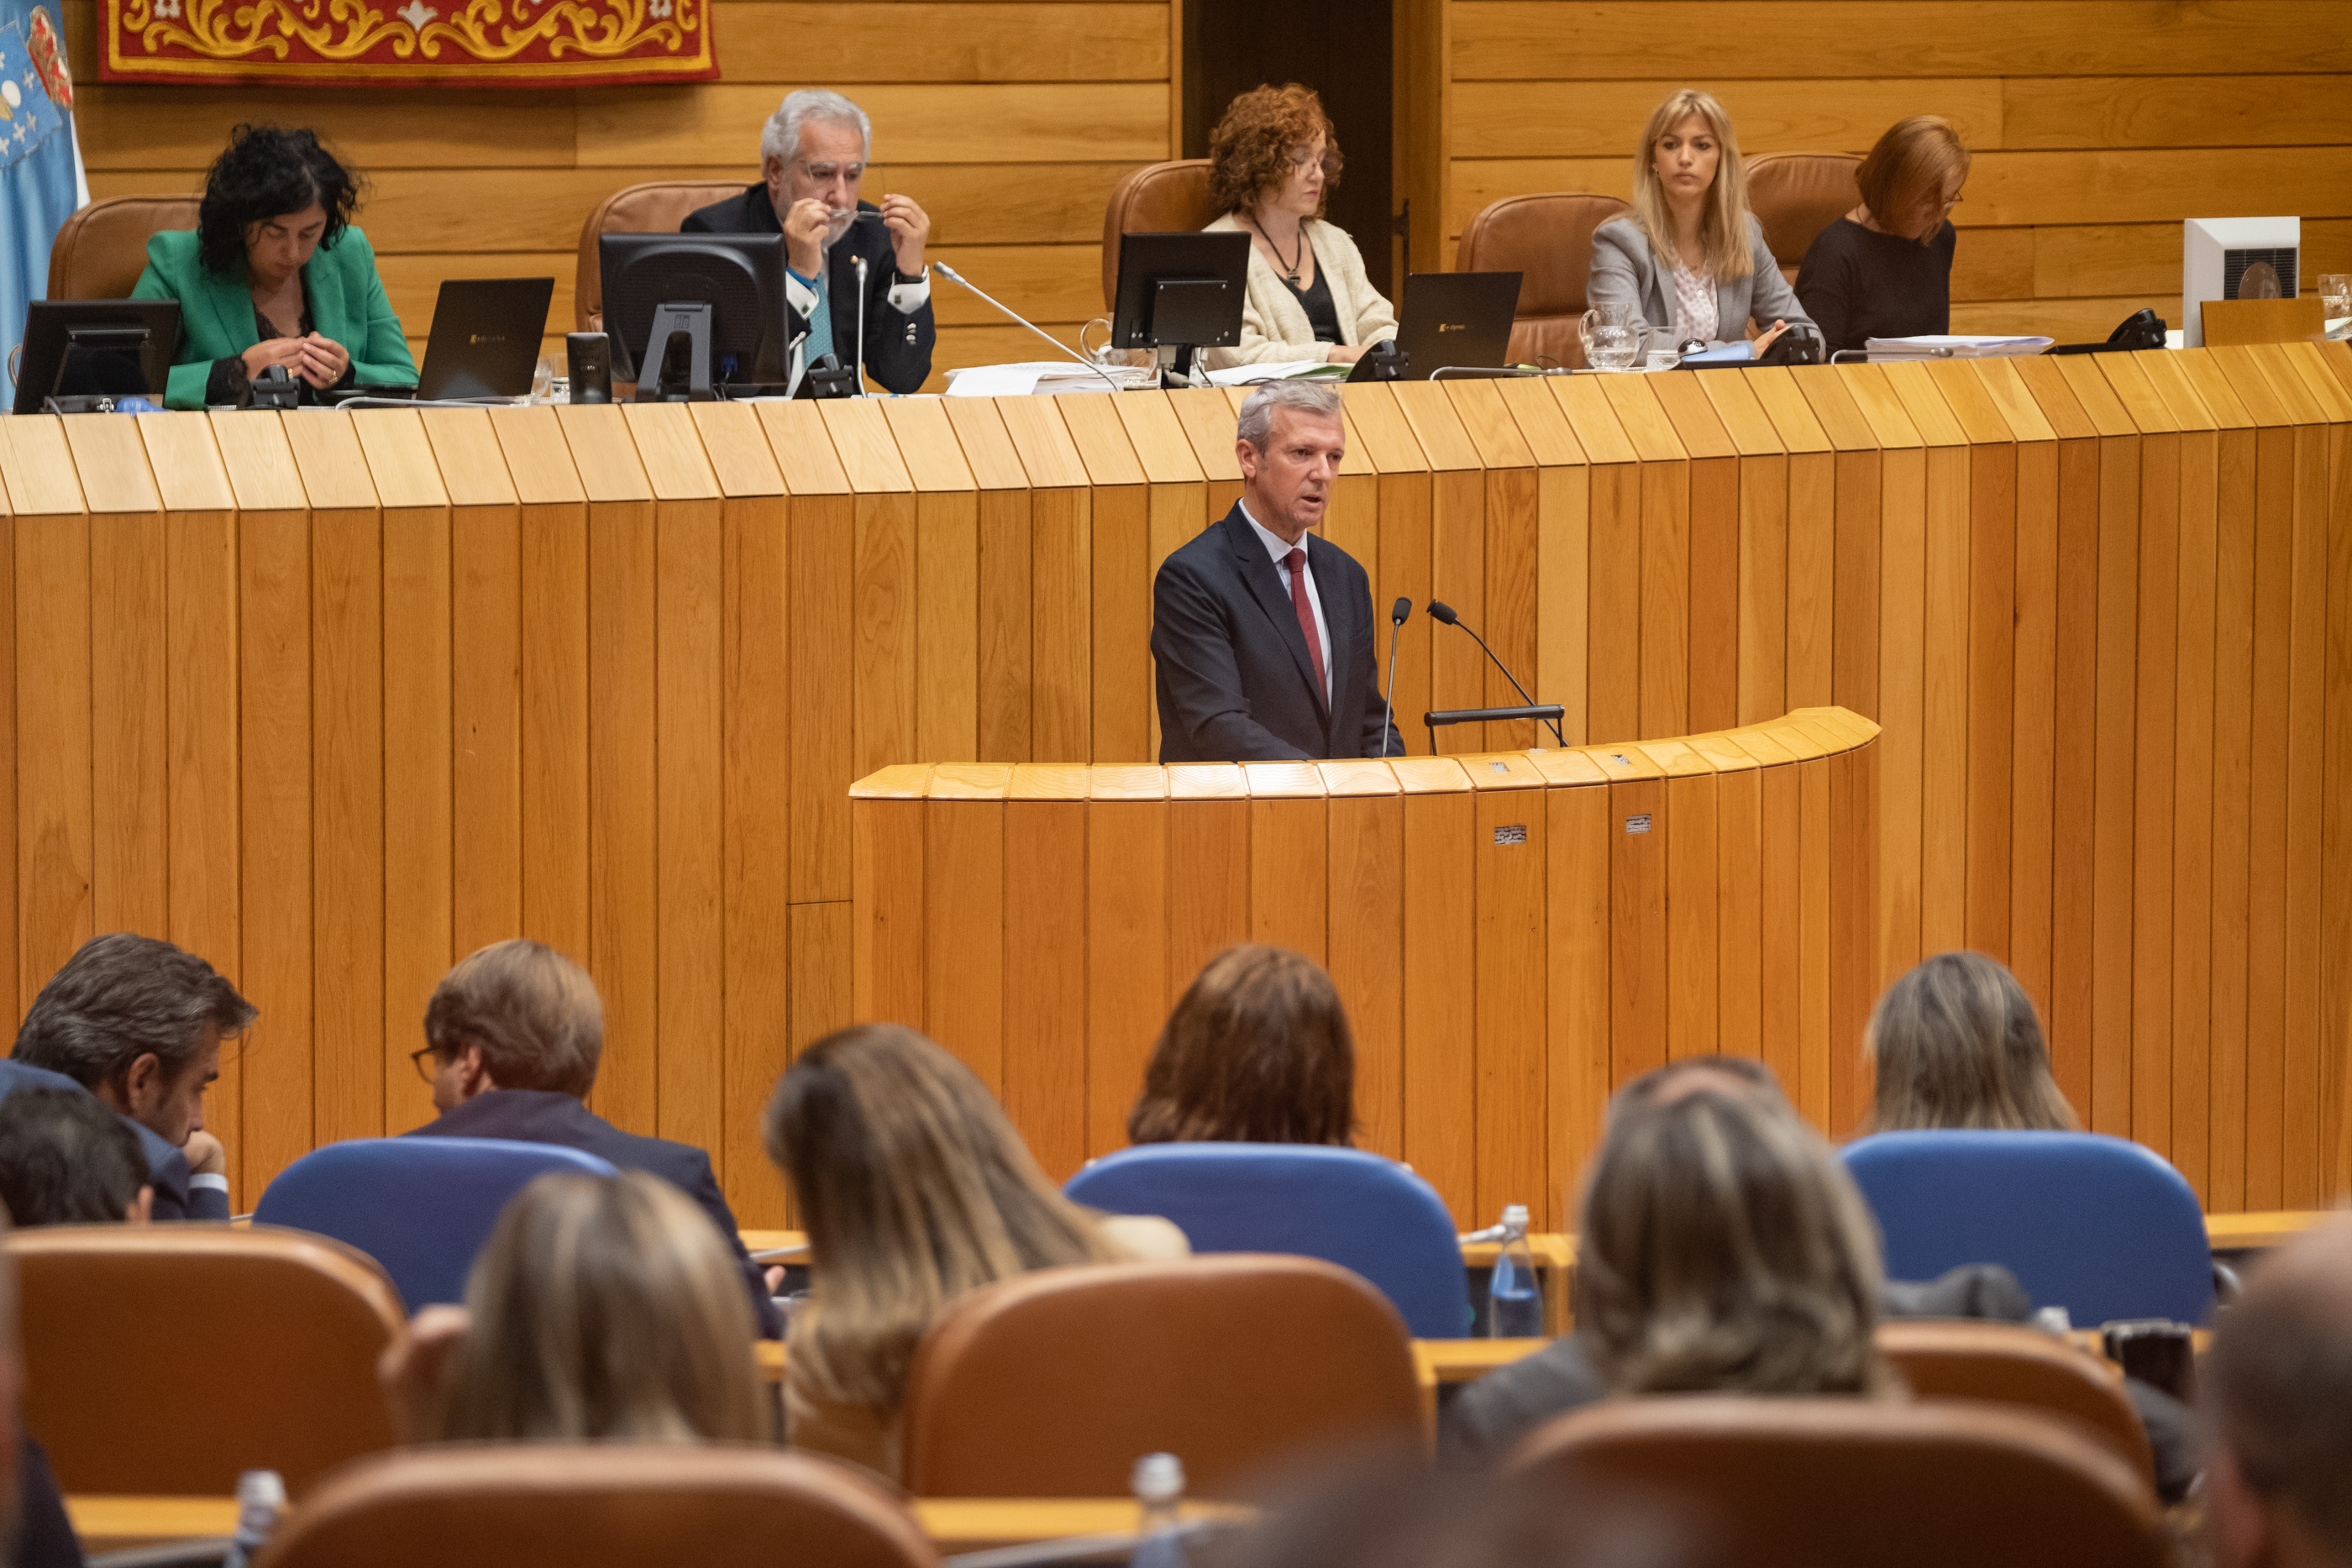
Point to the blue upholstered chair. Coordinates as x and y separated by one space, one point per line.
2101 1226
1344 1205
420 1206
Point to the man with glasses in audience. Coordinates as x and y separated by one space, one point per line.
812 157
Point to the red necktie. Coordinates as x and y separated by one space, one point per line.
1295 562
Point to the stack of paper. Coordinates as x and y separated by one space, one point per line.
1045 377
1947 347
1274 371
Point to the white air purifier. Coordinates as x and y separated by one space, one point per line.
2235 258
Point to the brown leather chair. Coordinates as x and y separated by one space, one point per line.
1796 195
166 1359
651 209
1548 238
100 251
1796 1483
1159 198
559 1506
2009 1364
1054 1383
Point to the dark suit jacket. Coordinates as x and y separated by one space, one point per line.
1234 679
167 1167
546 1116
897 345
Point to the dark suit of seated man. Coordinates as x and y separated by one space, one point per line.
138 1023
1261 635
515 1033
812 158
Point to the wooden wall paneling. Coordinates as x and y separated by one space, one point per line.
1126 941
273 720
1351 518
962 930
1002 620
1778 817
1407 534
1514 549
2336 916
1856 788
820 554
623 783
1209 836
1060 582
889 849
755 825
1813 536
1715 552
1510 835
1738 894
1638 872
9 890
1364 948
1578 834
946 581
420 872
1289 856
1208 419
202 761
1665 601
1854 574
1441 994
1045 963
1177 500
1563 549
1119 552
1694 923
1760 617
1459 672
884 625
1613 569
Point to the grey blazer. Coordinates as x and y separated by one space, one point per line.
1626 271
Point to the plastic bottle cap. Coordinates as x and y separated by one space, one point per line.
260 1487
1158 1478
1516 1213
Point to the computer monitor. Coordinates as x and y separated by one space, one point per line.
1457 320
97 348
1181 291
718 301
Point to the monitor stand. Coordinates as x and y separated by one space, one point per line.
679 352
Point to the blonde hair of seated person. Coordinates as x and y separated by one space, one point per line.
603 1309
1723 221
1956 1043
1722 1247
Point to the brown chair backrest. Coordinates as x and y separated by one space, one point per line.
1548 240
1053 1384
1796 195
101 250
651 209
2010 1363
1159 198
536 1505
166 1359
1795 1483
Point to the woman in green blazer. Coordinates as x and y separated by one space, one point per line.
274 274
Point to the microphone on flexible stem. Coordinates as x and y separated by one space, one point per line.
1399 615
1442 612
953 275
858 354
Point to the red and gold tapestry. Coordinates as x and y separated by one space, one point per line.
510 43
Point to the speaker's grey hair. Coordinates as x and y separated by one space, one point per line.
1320 399
781 136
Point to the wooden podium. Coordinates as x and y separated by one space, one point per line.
1513 933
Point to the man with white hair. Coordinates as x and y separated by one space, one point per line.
1261 635
812 156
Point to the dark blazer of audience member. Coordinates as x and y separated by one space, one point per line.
600 1310
1884 269
140 1024
1956 1043
915 1189
812 156
65 1159
513 1037
1258 1051
1690 256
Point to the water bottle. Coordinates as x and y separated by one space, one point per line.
261 1499
1158 1483
1514 1293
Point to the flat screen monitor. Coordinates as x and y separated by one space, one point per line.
1457 321
1181 290
740 280
83 348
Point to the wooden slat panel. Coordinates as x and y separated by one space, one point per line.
1512 1098
1128 872
962 122
1045 975
1440 983
1289 857
1580 836
1209 835
887 939
1365 949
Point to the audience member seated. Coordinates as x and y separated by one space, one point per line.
514 1034
140 1023
1884 269
1257 1051
2277 1393
1955 1043
65 1159
915 1189
600 1310
812 157
274 273
1691 257
1271 159
1720 1248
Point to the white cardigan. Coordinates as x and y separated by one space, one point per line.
1274 324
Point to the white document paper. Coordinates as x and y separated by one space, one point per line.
994 381
1954 347
1275 371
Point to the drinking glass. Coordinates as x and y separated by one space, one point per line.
2335 293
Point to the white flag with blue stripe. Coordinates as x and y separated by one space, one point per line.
41 180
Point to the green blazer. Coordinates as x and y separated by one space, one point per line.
347 304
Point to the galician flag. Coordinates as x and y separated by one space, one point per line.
41 180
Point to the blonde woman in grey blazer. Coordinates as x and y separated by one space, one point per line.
1691 257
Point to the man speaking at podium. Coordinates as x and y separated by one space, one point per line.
1262 635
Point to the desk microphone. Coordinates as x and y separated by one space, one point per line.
1399 613
858 355
1440 610
953 275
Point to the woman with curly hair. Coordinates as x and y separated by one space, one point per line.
275 274
1271 159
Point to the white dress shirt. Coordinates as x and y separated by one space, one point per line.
1279 550
801 295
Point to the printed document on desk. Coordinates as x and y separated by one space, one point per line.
1950 347
1275 371
1045 378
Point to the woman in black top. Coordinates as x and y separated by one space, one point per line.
1884 269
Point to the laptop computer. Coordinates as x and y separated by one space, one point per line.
1458 319
484 345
